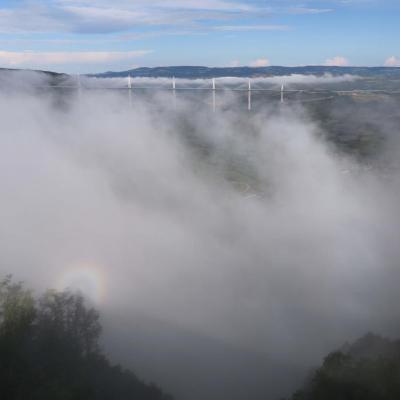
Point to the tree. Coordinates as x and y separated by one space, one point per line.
64 315
369 369
49 350
17 316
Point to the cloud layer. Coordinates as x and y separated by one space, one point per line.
251 231
392 62
337 61
44 59
100 17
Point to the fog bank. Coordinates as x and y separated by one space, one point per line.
247 229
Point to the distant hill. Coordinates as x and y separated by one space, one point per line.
8 75
368 369
199 72
191 72
48 73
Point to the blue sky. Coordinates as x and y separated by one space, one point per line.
98 35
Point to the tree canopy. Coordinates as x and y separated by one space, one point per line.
49 349
369 369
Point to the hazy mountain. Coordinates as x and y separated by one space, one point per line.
199 72
16 77
193 72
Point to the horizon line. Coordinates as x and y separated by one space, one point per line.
209 67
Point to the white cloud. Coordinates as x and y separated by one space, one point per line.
261 62
165 4
392 62
250 28
100 16
31 58
224 82
234 63
337 61
203 5
171 232
306 10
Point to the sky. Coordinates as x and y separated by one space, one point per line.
81 36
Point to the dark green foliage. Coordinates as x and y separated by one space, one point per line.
367 370
49 350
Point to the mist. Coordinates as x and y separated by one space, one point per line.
250 230
223 82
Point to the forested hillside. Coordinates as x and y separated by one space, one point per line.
49 349
369 369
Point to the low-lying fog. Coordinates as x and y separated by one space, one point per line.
207 240
271 82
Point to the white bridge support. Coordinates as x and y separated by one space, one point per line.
214 89
328 94
174 92
79 85
249 97
276 91
130 90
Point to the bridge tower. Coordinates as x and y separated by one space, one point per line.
174 92
214 88
130 90
249 96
